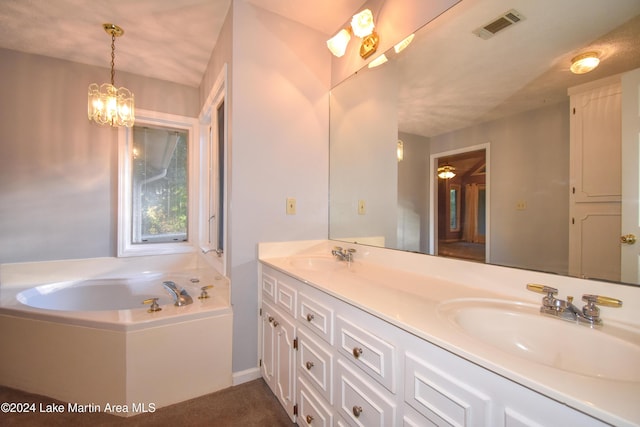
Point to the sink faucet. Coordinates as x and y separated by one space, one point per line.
180 295
343 254
566 310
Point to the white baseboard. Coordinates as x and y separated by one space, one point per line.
246 375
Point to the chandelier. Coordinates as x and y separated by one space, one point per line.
108 105
446 172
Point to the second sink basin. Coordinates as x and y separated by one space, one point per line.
519 329
316 262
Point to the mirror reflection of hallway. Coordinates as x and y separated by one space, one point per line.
462 210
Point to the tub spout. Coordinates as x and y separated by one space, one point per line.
180 295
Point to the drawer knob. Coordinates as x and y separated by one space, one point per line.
357 410
270 319
309 419
357 352
309 365
309 317
275 323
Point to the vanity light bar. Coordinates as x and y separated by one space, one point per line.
498 24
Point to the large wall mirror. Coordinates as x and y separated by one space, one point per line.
494 108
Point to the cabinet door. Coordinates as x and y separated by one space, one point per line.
268 346
278 355
285 377
596 144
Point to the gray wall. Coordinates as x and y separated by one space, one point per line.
58 172
529 162
279 149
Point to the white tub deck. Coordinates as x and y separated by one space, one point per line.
132 358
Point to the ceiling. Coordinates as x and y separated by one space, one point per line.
452 79
165 39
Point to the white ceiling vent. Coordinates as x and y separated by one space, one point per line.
503 21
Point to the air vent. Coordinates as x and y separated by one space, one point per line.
503 21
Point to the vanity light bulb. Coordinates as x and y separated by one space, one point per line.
362 23
378 61
338 43
403 44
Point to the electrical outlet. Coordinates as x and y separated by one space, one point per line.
362 207
291 205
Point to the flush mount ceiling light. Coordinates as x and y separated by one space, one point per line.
446 172
108 105
584 62
362 26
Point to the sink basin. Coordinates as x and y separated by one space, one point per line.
519 329
316 262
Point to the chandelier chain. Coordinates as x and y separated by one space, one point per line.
113 57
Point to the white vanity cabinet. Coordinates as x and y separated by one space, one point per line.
335 364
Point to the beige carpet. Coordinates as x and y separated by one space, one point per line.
249 404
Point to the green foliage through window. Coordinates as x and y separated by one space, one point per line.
160 184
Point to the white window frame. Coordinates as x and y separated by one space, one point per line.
209 178
125 147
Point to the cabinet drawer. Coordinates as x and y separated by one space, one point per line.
362 402
312 410
315 363
317 317
373 355
286 296
268 287
442 398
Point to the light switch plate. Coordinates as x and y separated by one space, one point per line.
362 207
291 205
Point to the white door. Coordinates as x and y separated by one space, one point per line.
630 177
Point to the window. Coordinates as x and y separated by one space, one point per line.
454 207
156 188
214 153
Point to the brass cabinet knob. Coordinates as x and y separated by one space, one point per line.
309 365
309 419
357 410
357 352
628 239
309 317
270 319
275 323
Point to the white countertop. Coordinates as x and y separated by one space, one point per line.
408 297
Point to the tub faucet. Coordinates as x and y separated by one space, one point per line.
180 295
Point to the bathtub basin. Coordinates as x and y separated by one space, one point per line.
519 329
95 295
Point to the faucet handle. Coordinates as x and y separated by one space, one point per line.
154 304
542 289
204 294
601 300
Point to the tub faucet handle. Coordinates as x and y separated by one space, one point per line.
154 305
204 294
